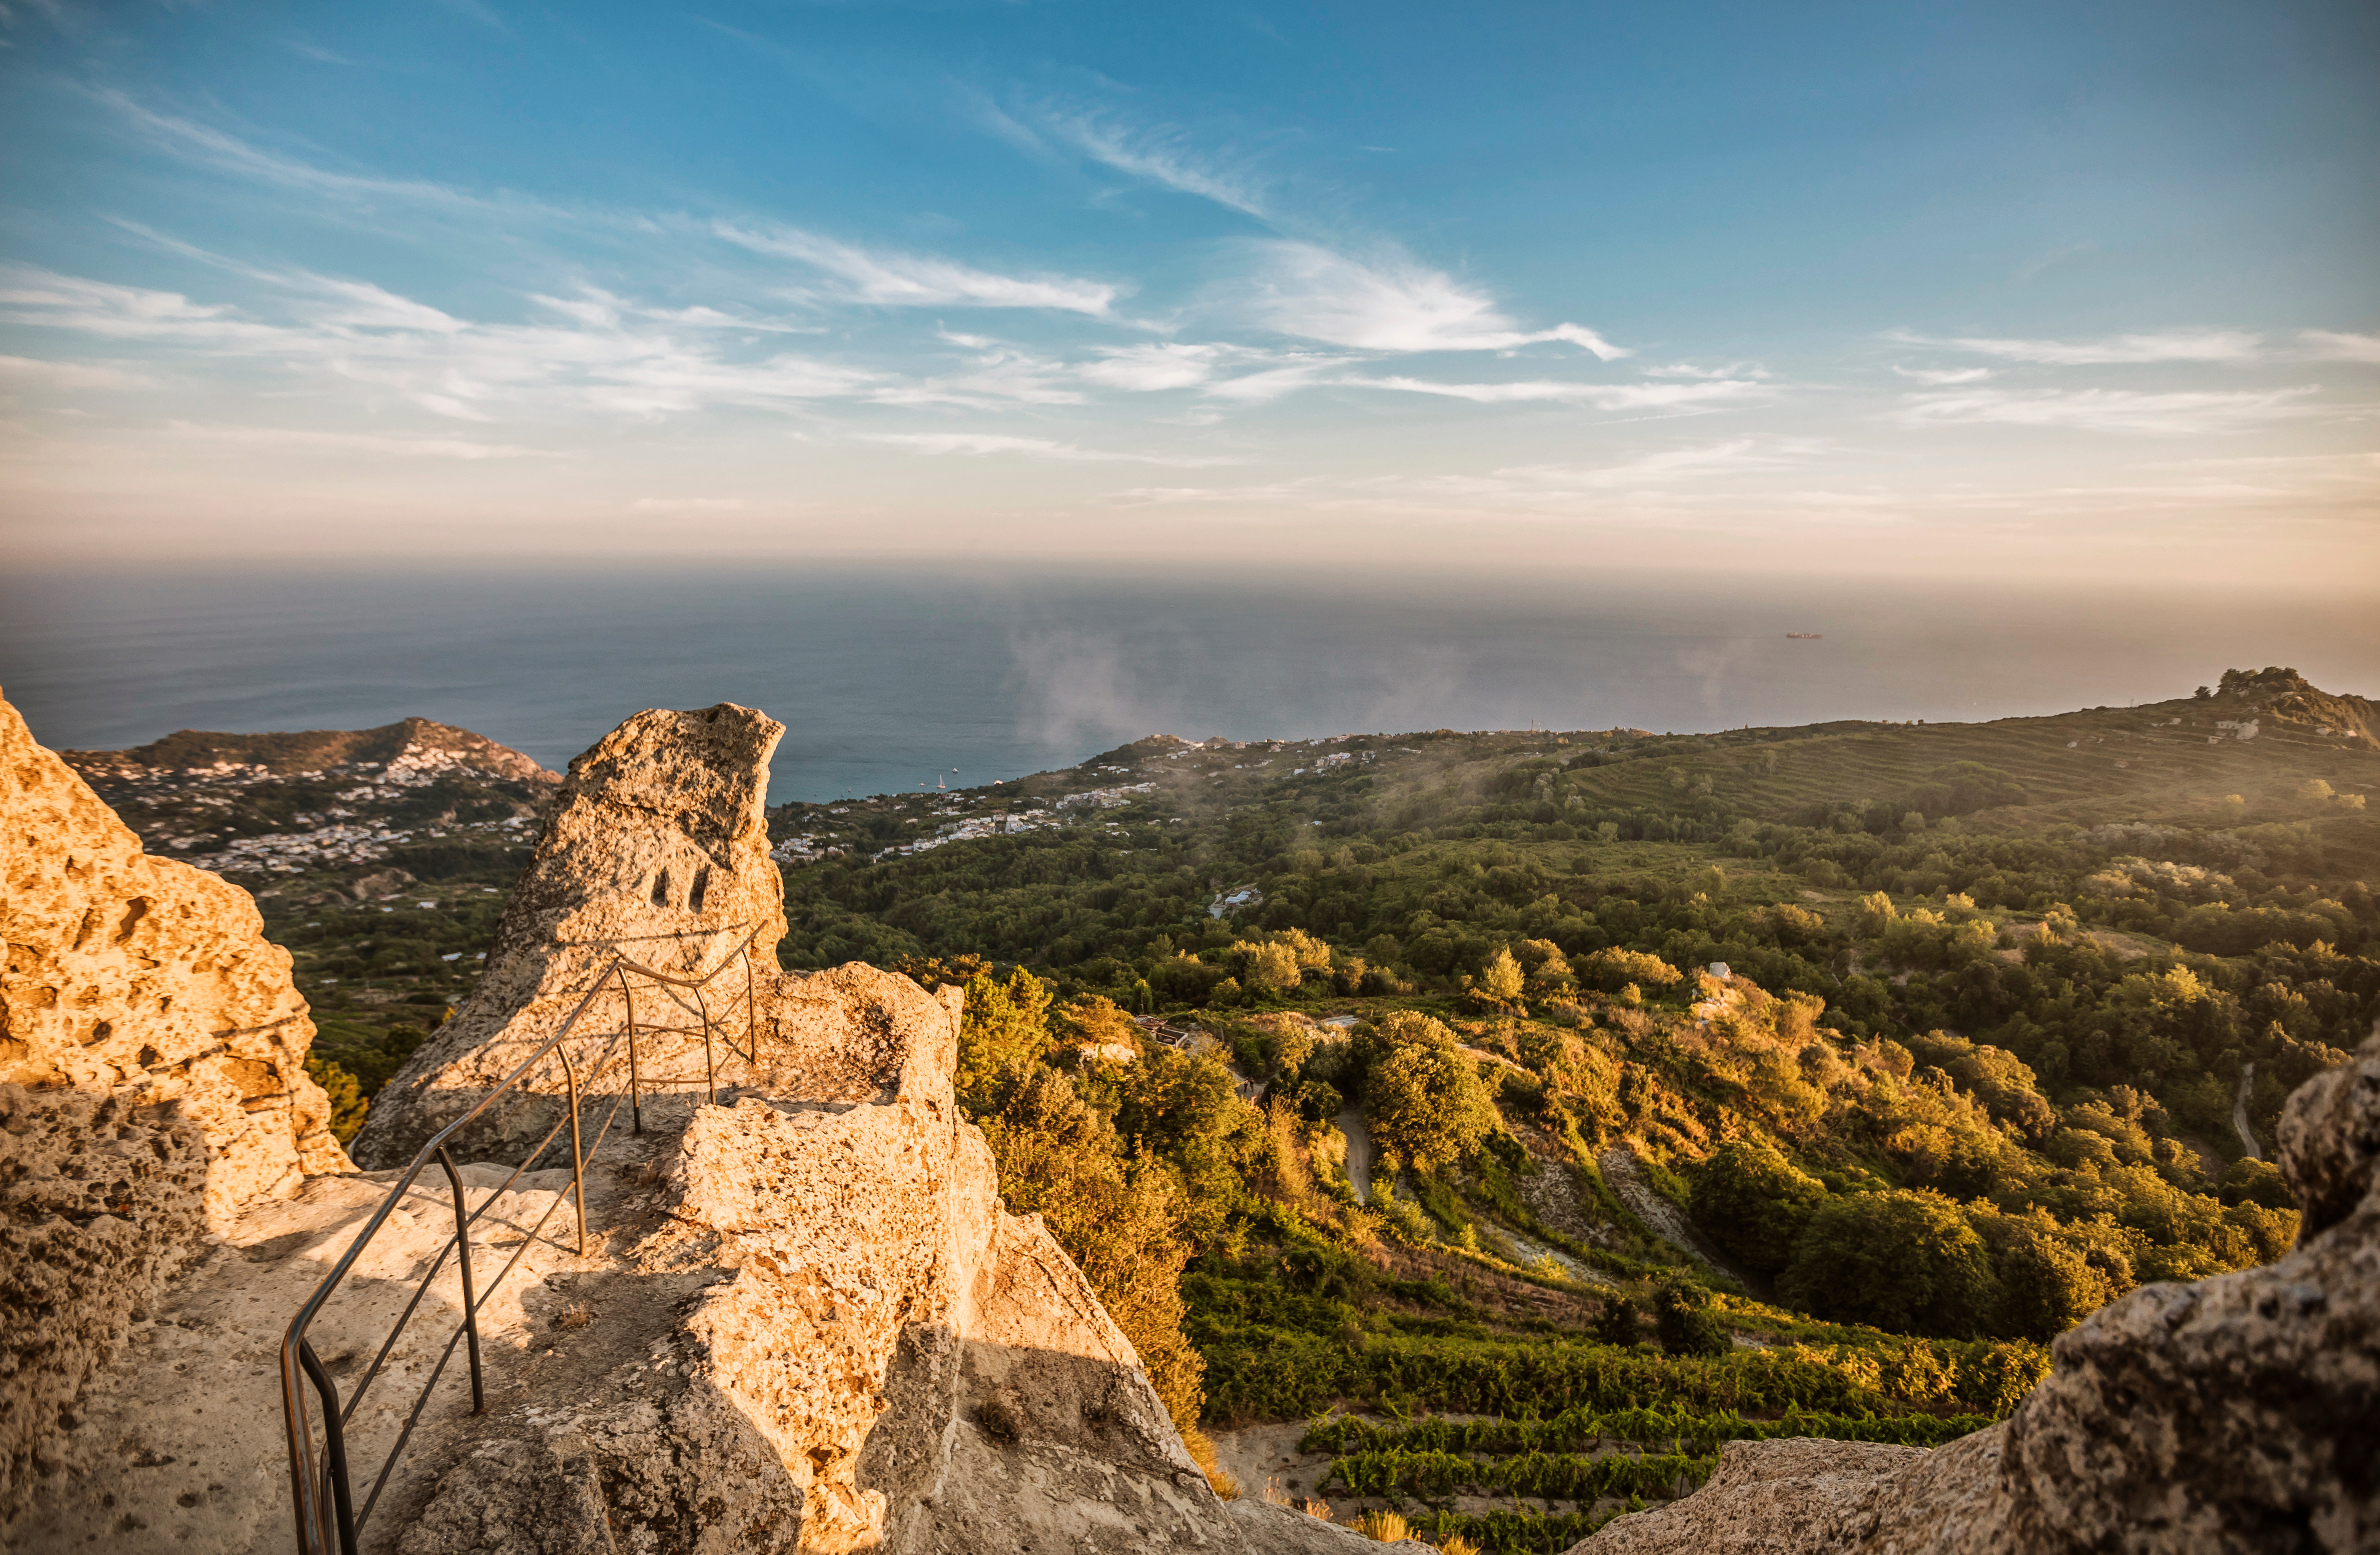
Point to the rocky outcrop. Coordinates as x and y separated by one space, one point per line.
657 850
146 979
2235 1414
100 1202
153 1083
802 1321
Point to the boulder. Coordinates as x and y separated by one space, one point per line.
2236 1413
658 850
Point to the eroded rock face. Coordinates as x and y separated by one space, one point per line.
2234 1413
153 1083
144 978
658 850
100 1202
872 1353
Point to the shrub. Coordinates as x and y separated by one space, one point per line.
1684 1322
1755 1203
1904 1261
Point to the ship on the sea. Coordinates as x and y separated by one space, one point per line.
1806 636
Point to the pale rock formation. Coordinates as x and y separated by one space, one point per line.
100 1202
146 979
658 850
2238 1414
153 1084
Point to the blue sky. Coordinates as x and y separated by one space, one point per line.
1966 289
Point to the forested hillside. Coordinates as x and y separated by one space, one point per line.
1615 1094
1826 1070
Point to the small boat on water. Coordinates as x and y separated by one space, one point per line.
1805 637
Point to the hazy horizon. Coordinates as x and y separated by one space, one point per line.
1963 292
890 677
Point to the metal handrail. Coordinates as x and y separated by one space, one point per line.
322 1494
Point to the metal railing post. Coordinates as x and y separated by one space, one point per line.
578 1156
635 1103
334 1448
470 1306
327 1519
709 1062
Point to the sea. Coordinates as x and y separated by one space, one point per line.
890 679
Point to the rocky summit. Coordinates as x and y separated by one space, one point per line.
802 1318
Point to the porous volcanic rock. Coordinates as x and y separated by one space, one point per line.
153 1083
2236 1413
145 979
658 850
868 1351
100 1202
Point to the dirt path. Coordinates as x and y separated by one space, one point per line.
2240 1112
1359 1152
1627 1179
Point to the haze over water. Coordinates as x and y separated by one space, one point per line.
887 679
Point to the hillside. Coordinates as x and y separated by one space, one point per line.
1776 1081
379 857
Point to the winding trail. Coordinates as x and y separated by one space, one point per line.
2240 1112
1359 1151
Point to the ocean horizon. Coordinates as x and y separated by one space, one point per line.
893 678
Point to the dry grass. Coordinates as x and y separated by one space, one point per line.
1384 1527
1202 1453
574 1317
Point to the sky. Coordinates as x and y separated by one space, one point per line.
2001 290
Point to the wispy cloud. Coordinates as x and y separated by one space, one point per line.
2330 344
2175 414
980 444
604 357
2162 346
1161 154
1177 364
205 143
1315 293
1602 397
887 278
1944 376
292 438
71 375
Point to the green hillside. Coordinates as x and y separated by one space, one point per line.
1530 1112
1991 995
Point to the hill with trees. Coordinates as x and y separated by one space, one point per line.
1770 1081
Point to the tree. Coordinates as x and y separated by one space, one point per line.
1120 1221
1501 979
1610 969
1425 1100
1755 1203
1620 1321
1904 1261
2047 1284
1685 1323
348 1105
1096 1021
1269 969
1006 1024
